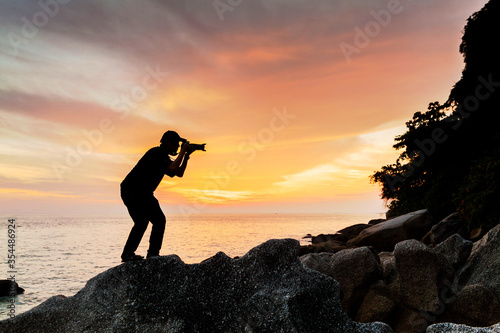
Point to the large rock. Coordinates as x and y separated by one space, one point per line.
376 221
331 246
474 305
421 274
377 305
455 249
409 320
267 290
450 225
321 262
355 270
388 264
454 328
483 265
10 288
342 235
385 235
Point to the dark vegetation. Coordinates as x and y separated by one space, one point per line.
450 154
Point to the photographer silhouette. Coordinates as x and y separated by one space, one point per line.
137 191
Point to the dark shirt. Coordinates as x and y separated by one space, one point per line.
148 172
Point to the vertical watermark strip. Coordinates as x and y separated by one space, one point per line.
12 268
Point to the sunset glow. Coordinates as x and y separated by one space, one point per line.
292 122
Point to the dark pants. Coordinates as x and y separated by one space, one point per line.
144 208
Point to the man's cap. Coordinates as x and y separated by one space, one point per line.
171 136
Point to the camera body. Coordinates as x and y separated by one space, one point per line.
195 146
198 146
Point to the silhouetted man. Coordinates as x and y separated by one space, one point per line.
138 187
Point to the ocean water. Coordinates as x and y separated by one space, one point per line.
57 255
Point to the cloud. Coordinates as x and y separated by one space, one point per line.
347 172
225 78
209 196
322 175
63 111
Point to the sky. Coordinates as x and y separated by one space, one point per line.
298 102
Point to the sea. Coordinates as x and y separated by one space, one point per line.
56 255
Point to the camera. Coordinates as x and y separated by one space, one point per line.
198 146
195 146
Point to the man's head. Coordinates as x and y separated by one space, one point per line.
170 141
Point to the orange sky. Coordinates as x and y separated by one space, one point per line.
293 122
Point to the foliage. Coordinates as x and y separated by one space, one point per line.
479 196
449 154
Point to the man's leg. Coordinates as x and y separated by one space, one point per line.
140 224
158 220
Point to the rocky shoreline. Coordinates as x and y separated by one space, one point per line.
411 272
407 274
266 290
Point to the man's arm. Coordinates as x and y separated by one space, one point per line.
182 167
178 166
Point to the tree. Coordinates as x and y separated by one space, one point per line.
449 153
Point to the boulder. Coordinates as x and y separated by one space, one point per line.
10 288
450 225
455 249
322 238
342 235
421 274
456 328
355 270
475 306
352 231
388 266
376 221
320 262
385 235
483 265
266 290
329 246
377 305
410 320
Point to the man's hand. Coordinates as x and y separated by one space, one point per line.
184 147
190 149
187 149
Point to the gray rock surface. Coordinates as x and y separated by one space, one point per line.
483 265
377 305
321 262
331 246
385 235
450 225
342 235
455 249
388 266
266 290
355 270
421 273
455 328
474 305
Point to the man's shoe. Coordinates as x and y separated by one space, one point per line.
132 257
